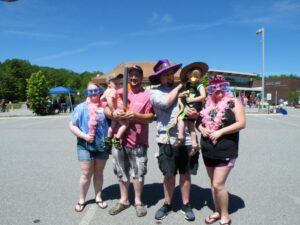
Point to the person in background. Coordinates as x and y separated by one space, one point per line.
89 125
221 119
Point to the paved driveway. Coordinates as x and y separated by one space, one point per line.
39 176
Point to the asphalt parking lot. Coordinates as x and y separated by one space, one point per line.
39 176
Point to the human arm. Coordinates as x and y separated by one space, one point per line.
240 123
139 117
192 113
78 133
113 114
172 96
164 100
200 98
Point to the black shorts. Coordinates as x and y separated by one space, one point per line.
215 162
171 161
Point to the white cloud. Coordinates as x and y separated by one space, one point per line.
33 34
157 19
62 54
286 6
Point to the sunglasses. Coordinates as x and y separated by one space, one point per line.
95 91
213 88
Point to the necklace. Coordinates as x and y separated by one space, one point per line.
213 113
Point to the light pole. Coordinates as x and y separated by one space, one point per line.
262 32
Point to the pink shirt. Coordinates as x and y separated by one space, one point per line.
115 95
137 133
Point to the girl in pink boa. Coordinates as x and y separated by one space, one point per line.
89 125
220 121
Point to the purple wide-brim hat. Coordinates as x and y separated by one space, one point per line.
161 66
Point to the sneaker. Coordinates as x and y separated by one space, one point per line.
116 143
188 212
163 212
140 210
119 207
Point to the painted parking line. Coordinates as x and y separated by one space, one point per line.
89 215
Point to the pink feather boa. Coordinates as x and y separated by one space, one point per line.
92 107
213 124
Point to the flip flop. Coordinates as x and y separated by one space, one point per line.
101 204
211 219
80 206
228 223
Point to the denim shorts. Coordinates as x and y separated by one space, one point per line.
85 155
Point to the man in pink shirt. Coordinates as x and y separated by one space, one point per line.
130 161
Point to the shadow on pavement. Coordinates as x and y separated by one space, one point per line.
153 193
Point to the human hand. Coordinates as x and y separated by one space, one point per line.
204 131
192 113
118 114
89 137
214 136
189 100
130 115
182 95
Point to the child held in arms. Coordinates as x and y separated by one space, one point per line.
192 97
113 97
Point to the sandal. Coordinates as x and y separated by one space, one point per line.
178 142
101 204
79 207
228 223
119 207
211 219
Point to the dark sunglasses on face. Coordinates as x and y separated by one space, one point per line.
95 91
212 88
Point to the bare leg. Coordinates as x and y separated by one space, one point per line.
216 214
185 187
169 186
138 190
87 170
221 195
121 131
191 127
124 187
181 126
111 129
98 179
110 132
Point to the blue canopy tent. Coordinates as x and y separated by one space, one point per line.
62 90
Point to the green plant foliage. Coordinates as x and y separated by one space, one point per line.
37 93
205 81
293 97
15 72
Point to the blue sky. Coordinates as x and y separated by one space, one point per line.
98 35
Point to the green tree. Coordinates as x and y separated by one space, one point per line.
293 97
205 81
37 93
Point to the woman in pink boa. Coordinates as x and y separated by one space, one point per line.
89 125
220 122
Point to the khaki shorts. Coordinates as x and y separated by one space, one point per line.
130 162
